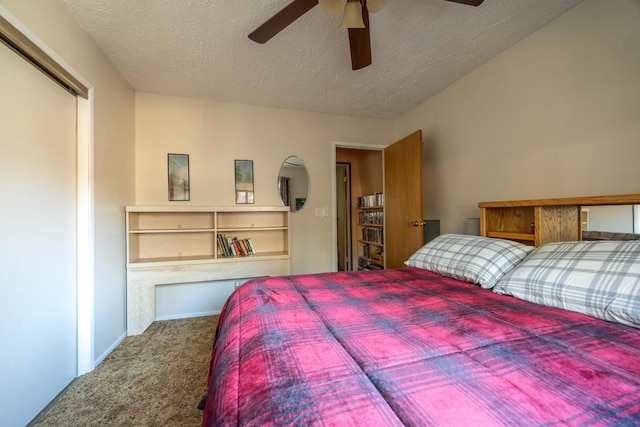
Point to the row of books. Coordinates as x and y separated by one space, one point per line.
371 201
372 251
373 217
374 235
232 246
364 264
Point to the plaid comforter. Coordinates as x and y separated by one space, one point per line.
410 347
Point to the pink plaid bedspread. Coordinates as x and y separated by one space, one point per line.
410 347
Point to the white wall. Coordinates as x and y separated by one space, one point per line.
554 116
113 167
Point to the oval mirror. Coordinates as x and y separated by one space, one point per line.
293 183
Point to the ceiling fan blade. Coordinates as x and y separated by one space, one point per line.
281 20
468 2
360 43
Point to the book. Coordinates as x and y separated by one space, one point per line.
245 247
232 249
236 245
253 248
222 244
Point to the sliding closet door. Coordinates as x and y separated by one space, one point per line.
38 248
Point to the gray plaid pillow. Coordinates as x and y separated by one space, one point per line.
473 259
600 278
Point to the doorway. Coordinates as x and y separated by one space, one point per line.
365 176
394 172
343 215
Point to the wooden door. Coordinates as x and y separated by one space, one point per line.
404 226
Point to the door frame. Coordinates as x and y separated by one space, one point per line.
349 236
85 281
334 203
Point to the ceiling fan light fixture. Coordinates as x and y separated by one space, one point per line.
331 7
374 6
352 15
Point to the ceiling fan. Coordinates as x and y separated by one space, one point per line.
355 17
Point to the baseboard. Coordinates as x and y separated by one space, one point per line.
187 315
50 404
171 317
110 349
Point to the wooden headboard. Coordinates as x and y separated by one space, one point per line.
536 222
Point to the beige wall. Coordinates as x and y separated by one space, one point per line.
214 134
113 155
556 115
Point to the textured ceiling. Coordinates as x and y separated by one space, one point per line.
200 49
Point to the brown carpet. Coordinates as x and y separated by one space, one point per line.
153 379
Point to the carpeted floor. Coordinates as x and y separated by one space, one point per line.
153 379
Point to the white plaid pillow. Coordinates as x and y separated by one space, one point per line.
473 259
600 278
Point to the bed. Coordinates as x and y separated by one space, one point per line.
474 331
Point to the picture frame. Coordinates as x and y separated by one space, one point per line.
178 177
244 181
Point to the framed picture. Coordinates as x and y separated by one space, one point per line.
178 172
244 181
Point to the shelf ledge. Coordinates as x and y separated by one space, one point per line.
146 262
529 237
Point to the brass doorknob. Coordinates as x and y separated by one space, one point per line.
417 223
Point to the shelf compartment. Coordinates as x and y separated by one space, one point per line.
263 255
373 261
371 243
371 225
172 259
170 245
264 241
169 230
248 220
147 221
517 220
250 229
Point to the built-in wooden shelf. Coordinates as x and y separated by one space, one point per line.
371 226
179 244
542 221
